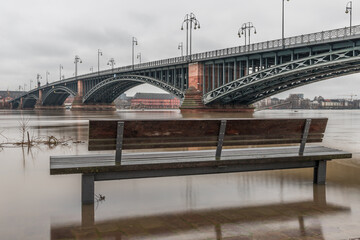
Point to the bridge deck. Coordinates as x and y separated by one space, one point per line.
194 162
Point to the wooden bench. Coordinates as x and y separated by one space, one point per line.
190 135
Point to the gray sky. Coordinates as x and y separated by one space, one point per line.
38 35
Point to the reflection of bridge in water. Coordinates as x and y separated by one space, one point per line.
231 78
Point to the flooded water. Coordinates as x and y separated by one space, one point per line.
255 205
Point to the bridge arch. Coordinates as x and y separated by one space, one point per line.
16 104
283 77
29 101
109 89
56 96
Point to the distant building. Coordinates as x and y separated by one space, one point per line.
154 101
6 96
335 104
297 101
11 94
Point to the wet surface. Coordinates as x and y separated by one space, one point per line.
255 205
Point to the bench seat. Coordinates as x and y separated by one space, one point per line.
182 161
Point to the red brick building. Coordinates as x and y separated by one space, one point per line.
154 101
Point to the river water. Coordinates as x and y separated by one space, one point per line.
255 205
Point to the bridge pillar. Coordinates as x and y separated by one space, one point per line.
193 101
193 95
21 103
38 105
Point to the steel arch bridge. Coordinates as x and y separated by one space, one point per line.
280 78
238 75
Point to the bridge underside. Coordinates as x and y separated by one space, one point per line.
107 94
55 97
108 90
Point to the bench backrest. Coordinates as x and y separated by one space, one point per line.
183 133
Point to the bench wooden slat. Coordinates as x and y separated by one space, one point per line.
106 163
147 134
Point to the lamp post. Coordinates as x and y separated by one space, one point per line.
92 69
76 61
47 77
60 68
283 22
189 21
30 84
38 77
134 42
349 9
111 63
99 54
246 30
138 56
181 47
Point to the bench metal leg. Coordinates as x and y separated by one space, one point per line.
319 194
87 215
320 172
87 189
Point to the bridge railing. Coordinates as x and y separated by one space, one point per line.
319 37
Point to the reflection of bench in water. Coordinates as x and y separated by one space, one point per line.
213 224
185 133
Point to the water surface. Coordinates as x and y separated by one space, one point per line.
255 205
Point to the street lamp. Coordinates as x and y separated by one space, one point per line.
190 19
30 83
47 77
111 63
349 9
246 30
38 77
134 42
283 22
181 47
60 68
92 69
99 54
76 61
138 56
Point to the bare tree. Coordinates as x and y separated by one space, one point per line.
24 129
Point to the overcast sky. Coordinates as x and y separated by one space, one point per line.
38 35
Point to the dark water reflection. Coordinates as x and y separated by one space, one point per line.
256 205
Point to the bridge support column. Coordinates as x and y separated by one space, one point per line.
21 103
193 101
78 104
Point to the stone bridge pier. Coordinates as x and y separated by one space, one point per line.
193 101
